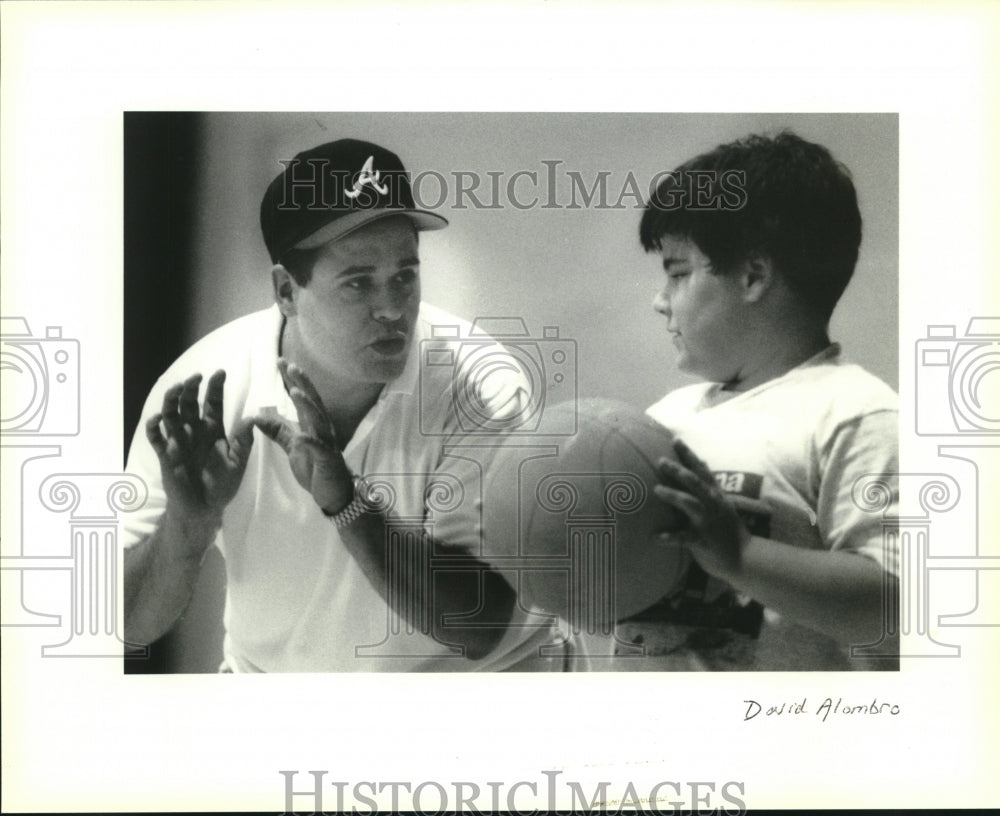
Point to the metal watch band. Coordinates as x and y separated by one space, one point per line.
354 510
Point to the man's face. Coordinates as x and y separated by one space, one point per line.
356 316
704 312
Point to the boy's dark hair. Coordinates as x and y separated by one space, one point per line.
780 197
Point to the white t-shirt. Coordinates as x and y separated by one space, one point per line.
295 600
798 443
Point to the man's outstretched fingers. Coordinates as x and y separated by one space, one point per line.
276 429
189 409
213 401
283 370
155 435
170 407
300 379
312 417
315 421
242 439
171 418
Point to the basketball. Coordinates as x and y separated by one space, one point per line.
572 520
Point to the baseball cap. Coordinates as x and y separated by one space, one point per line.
331 190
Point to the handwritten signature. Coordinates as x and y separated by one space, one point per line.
829 706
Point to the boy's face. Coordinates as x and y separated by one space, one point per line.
704 312
357 314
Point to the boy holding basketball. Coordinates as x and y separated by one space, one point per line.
758 239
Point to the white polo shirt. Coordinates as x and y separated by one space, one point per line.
295 600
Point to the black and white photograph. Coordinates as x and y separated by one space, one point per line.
511 388
501 408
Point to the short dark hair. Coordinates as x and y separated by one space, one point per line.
300 262
781 197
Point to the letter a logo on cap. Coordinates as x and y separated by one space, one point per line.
368 175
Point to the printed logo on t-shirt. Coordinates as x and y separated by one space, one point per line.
743 484
747 485
705 604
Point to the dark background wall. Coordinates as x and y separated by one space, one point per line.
161 174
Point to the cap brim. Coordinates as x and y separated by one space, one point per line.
346 224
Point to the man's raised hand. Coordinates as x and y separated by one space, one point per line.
313 453
201 468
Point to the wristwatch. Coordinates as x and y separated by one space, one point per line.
356 508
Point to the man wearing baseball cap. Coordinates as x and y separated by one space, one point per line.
326 525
